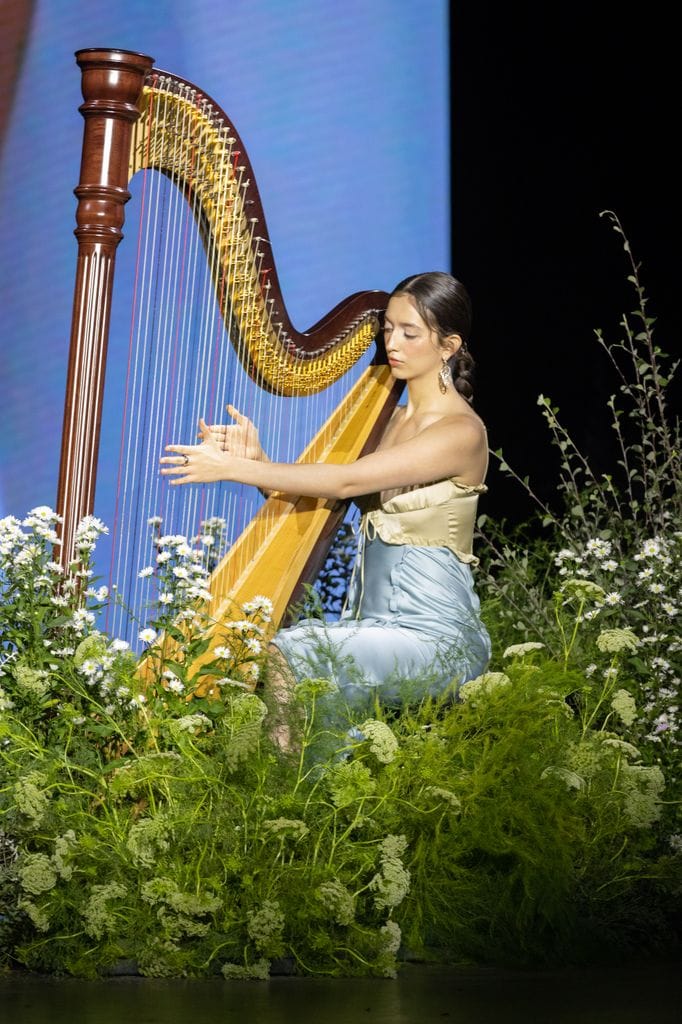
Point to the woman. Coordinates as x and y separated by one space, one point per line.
411 625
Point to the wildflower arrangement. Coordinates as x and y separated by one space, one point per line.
176 633
171 835
138 824
600 588
148 818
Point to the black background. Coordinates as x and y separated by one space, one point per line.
558 113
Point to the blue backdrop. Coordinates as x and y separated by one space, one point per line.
343 110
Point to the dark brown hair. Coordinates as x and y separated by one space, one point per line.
444 304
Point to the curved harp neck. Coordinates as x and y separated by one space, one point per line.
187 136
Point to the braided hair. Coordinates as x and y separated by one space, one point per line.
444 304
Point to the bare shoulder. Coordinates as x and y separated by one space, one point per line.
435 444
461 443
465 428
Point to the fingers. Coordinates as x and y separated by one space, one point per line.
174 466
177 479
217 431
205 432
236 415
173 463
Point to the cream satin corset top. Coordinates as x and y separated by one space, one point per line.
442 514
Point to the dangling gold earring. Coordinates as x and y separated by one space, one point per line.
444 377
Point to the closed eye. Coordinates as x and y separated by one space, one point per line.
388 329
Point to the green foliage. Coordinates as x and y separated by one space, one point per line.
506 827
534 835
609 560
150 816
142 820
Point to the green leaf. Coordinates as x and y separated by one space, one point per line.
206 670
197 648
176 634
176 668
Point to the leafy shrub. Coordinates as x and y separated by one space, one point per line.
147 815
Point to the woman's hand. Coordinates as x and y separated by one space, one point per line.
197 463
239 438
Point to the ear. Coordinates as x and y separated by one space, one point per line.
451 344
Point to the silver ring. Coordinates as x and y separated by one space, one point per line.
186 458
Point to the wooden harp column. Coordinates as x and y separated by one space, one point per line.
112 83
131 113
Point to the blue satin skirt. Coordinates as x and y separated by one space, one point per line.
411 628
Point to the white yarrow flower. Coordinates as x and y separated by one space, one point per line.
382 740
617 641
518 650
191 723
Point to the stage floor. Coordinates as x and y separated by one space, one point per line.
641 994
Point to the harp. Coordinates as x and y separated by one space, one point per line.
145 122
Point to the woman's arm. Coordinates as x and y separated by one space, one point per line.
454 446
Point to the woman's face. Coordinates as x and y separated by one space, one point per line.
413 348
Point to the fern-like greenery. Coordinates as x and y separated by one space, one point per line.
534 819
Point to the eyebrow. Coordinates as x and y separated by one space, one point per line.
402 323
